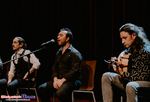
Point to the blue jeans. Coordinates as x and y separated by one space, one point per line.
63 93
3 83
16 83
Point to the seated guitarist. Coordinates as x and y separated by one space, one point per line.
136 43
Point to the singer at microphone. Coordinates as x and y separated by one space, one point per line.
46 43
65 71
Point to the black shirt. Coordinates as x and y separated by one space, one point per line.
67 65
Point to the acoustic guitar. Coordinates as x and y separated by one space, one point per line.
123 64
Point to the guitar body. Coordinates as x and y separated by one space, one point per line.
123 61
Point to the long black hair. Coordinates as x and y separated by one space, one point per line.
141 37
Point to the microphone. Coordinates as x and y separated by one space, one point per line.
51 41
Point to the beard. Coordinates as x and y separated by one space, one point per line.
124 46
63 44
15 49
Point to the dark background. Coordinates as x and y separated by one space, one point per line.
94 23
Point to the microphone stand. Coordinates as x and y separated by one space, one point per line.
28 72
28 55
22 56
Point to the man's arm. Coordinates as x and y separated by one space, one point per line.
34 60
11 71
26 75
10 77
117 68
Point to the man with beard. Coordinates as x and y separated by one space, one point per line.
136 43
65 71
18 73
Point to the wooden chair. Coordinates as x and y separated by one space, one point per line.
87 78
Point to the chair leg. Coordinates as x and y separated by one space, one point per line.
93 97
72 96
121 98
54 97
90 92
17 92
7 92
30 89
36 95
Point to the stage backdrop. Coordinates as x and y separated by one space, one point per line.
94 24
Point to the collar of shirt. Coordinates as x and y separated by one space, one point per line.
19 53
147 47
70 47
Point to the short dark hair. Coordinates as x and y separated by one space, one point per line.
21 41
69 34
